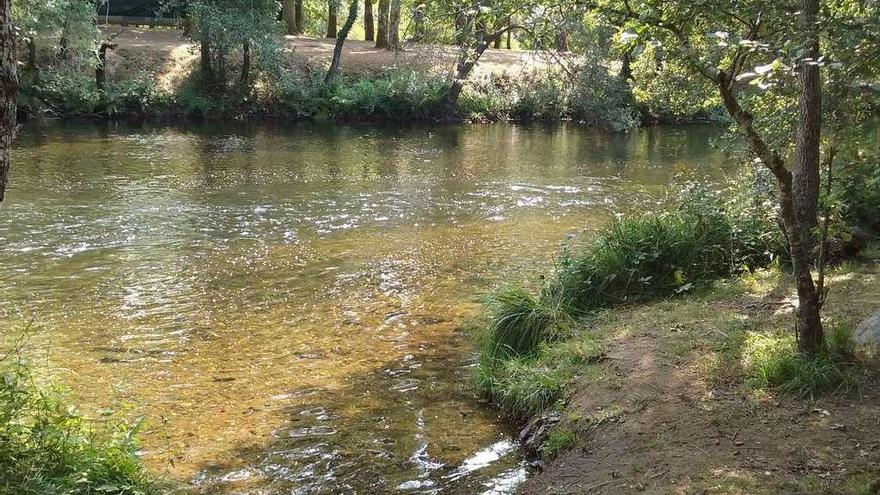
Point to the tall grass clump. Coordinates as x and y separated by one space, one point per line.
773 361
518 323
47 448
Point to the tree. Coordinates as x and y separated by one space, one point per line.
382 32
223 26
332 15
299 16
757 55
369 29
478 26
394 25
288 15
335 63
8 91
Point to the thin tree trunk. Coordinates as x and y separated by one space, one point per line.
340 40
288 15
509 35
332 15
382 31
394 25
299 16
420 34
205 62
369 28
809 323
8 91
245 64
466 63
100 68
805 180
626 64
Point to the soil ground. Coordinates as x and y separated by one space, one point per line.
168 54
671 414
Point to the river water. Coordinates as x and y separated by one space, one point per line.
291 308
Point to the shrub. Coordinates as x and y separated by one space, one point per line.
48 448
69 91
858 187
394 95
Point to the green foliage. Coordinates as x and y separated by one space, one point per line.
525 366
47 448
527 385
74 92
559 440
591 96
395 95
518 323
858 188
69 91
773 361
666 90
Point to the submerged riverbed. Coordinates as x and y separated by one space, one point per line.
290 307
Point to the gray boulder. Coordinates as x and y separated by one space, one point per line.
868 331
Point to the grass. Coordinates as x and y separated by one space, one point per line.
525 364
557 441
48 448
527 385
773 361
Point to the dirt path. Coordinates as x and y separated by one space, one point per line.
657 424
168 54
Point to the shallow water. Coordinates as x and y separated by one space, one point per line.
288 306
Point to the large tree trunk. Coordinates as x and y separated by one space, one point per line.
8 91
382 32
369 28
299 15
288 15
805 180
332 15
394 25
340 40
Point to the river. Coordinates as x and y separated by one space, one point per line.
291 308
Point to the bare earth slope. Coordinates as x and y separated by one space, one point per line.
171 56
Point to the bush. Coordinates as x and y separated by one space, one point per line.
48 448
69 91
396 95
593 96
858 187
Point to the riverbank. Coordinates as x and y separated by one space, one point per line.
676 402
154 74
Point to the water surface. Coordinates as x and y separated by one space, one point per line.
288 306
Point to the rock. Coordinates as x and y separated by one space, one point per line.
868 331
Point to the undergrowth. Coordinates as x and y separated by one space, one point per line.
48 448
773 361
